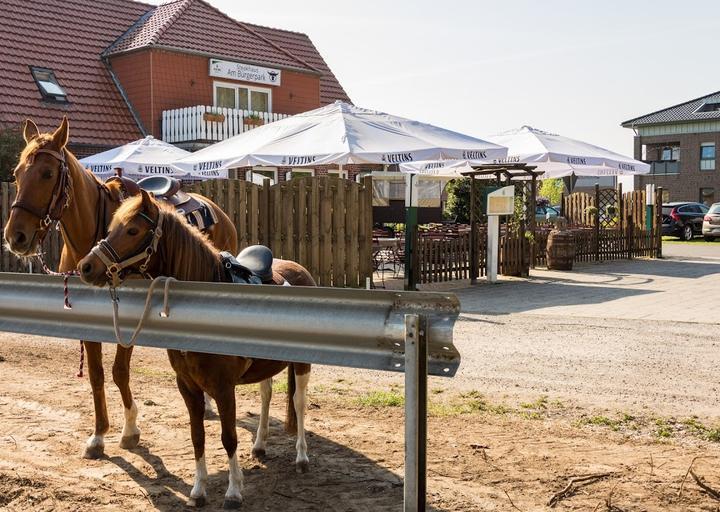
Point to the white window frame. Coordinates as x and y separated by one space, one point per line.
250 88
289 174
258 168
707 164
340 173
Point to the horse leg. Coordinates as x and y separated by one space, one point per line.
209 410
95 445
195 403
226 408
302 377
121 376
258 450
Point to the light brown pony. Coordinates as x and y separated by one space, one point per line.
184 253
53 186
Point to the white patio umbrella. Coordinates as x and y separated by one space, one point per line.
143 157
339 133
559 156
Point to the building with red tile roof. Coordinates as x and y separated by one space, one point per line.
121 69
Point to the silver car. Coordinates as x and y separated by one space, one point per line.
711 223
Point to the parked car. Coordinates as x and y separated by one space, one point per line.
543 213
711 223
683 219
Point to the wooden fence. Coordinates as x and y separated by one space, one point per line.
324 223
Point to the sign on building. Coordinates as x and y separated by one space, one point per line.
245 72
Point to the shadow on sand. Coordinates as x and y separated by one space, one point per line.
586 284
340 479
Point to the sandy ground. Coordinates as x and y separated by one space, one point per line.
495 451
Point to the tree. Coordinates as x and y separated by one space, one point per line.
458 202
11 144
552 190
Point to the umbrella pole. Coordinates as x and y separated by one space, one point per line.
411 223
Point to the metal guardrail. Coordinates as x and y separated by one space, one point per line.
381 330
333 326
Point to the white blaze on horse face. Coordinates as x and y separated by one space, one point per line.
264 424
130 428
201 476
301 383
235 480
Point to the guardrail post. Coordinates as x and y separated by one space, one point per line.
415 413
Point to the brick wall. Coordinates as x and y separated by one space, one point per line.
157 80
686 185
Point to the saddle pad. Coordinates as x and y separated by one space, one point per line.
202 218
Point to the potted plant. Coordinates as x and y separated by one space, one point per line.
253 120
214 117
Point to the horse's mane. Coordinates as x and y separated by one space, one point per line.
183 251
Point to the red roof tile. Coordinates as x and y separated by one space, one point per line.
301 45
67 37
70 36
197 26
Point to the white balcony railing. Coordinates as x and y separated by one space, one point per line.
202 123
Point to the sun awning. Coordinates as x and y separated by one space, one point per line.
339 133
557 156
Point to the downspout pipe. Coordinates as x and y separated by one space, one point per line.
124 95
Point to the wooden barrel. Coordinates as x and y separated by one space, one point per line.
560 250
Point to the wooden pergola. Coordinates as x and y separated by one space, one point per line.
510 172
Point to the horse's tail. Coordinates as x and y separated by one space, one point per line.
290 414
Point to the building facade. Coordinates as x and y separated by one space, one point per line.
182 71
680 143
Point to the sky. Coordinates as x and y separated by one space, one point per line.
577 68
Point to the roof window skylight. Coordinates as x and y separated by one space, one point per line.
48 84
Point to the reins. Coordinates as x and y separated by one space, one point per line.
115 266
60 201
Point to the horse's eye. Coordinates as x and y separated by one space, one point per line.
133 231
47 174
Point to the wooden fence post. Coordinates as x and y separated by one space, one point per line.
630 236
597 222
473 233
658 221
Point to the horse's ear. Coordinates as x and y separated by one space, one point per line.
60 136
148 203
30 130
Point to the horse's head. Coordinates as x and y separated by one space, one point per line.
132 239
42 181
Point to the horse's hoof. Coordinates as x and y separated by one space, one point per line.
94 452
198 502
232 504
302 467
130 442
258 453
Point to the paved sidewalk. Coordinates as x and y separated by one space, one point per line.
673 289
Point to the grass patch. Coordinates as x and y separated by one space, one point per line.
381 399
624 421
697 428
541 404
663 428
153 372
280 386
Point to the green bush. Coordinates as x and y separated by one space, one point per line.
11 144
552 190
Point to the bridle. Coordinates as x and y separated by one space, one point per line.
60 197
116 265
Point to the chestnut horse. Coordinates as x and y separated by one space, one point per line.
52 186
180 252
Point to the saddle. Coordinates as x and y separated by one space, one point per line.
167 189
252 266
